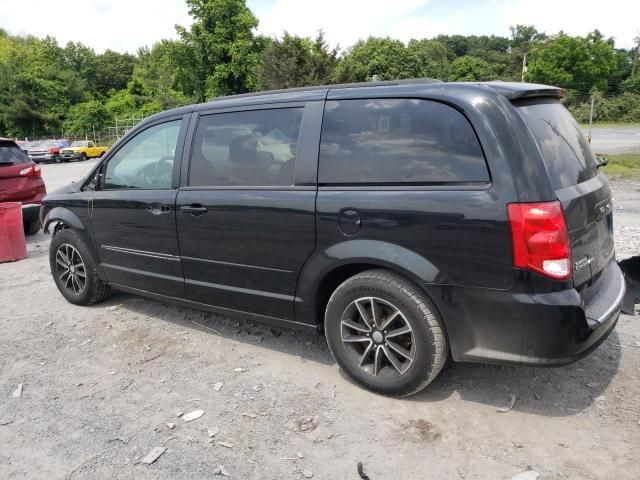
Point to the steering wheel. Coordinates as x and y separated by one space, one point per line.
157 173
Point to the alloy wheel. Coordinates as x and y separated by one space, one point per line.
378 337
71 269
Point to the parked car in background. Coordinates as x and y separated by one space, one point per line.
26 146
82 150
404 219
47 151
21 181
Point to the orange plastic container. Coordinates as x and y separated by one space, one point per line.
13 245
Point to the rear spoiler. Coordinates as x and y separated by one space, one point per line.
517 91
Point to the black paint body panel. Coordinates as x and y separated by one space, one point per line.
271 253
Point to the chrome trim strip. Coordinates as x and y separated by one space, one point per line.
231 264
31 205
143 253
616 304
248 291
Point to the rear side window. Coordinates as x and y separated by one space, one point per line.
391 141
249 148
565 151
10 154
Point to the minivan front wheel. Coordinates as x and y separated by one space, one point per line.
74 270
384 333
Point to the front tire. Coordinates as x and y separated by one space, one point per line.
74 270
385 334
83 157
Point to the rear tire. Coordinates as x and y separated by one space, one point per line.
32 227
74 270
385 334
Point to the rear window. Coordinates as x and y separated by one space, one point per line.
11 154
565 151
391 141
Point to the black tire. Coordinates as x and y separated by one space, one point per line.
31 227
94 290
101 154
83 157
56 159
426 343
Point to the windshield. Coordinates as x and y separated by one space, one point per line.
565 151
11 154
79 144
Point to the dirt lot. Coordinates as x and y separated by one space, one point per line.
100 385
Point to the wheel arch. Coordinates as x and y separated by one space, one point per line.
328 268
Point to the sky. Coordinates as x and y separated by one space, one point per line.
126 25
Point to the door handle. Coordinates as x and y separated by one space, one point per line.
158 209
194 209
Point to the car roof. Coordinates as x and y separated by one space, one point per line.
510 90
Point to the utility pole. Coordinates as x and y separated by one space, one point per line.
524 67
590 118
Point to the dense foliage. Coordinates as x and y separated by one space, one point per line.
46 88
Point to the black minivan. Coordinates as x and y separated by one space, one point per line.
409 220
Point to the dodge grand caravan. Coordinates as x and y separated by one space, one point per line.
408 220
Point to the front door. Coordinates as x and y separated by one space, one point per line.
245 225
133 212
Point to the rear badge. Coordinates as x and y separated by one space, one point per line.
583 263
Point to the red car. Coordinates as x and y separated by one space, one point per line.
21 181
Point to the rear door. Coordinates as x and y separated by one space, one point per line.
133 212
582 189
246 212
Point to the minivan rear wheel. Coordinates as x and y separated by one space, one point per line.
384 333
74 270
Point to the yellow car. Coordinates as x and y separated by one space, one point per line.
81 150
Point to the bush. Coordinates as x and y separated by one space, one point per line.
620 108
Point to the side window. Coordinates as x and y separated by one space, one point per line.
386 141
145 161
90 145
252 148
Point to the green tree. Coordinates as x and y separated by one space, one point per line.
387 58
84 117
432 57
294 61
471 69
223 47
579 63
113 71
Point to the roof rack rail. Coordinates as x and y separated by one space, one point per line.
380 83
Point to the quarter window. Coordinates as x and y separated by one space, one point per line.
145 161
252 148
390 141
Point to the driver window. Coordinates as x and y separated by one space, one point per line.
145 161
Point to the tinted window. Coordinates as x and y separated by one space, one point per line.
398 141
145 161
11 154
565 151
254 148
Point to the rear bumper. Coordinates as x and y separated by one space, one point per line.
491 326
42 158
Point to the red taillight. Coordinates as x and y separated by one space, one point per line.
32 171
540 238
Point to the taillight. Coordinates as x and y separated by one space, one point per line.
540 238
32 171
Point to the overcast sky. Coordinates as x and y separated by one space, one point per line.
125 25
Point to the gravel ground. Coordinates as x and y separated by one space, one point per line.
100 384
614 139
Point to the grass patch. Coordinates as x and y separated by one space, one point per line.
626 165
611 125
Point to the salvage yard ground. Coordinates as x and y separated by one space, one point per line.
102 388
